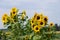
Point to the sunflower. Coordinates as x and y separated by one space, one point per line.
4 19
24 12
23 15
32 26
51 24
38 17
36 29
41 23
32 20
45 18
13 12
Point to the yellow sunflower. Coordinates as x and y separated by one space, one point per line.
51 24
23 15
32 26
32 20
4 19
13 12
41 23
38 17
36 29
45 19
24 12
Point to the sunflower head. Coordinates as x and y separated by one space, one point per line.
41 23
5 18
24 12
45 18
22 16
36 29
13 12
32 26
37 17
51 24
32 20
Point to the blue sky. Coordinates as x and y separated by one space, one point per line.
51 8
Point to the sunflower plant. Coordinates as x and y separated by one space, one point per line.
20 27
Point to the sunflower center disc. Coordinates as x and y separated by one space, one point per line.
41 23
33 26
38 17
51 24
45 19
13 12
36 28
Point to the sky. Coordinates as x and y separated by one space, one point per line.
50 8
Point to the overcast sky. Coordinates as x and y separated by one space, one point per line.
51 8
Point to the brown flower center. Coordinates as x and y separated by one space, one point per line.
41 23
13 12
32 21
38 17
51 24
33 26
36 28
45 19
